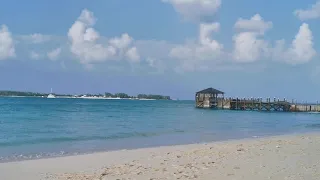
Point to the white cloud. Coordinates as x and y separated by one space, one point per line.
195 9
86 46
205 53
83 40
155 65
7 48
36 38
54 54
255 24
249 45
182 52
34 55
133 54
205 32
312 13
121 42
302 46
206 49
301 50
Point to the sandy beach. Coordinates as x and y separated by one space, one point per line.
289 157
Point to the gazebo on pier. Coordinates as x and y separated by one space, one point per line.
208 98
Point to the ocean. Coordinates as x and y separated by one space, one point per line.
32 128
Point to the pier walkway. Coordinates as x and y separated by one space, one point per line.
212 98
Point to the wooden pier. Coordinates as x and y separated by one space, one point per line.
213 98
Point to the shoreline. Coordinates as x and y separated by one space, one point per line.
149 146
126 163
70 97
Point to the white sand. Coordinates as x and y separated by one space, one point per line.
291 157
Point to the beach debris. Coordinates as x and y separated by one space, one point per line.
240 149
102 176
277 146
164 169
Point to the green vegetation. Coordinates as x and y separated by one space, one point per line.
116 95
152 96
20 93
27 94
140 96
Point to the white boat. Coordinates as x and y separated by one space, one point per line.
51 95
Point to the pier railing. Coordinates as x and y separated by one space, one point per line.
267 104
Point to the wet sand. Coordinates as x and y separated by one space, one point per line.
289 157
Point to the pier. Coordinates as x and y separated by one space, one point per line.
213 98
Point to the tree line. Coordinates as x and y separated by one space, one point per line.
140 96
116 95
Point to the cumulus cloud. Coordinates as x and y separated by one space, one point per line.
255 24
54 54
195 9
312 13
206 49
121 42
302 46
83 40
249 44
86 42
133 54
7 48
301 49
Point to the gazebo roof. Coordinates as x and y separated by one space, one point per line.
210 91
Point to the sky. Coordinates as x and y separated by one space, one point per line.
248 48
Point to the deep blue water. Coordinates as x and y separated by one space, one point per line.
39 127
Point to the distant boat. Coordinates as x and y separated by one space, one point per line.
51 95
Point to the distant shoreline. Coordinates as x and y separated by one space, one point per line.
70 97
106 95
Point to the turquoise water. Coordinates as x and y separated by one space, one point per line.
38 127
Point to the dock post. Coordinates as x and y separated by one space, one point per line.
260 103
253 105
236 103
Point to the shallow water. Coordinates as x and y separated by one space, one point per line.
39 127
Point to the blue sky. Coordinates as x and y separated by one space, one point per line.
171 47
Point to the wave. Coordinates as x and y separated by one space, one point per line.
85 138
